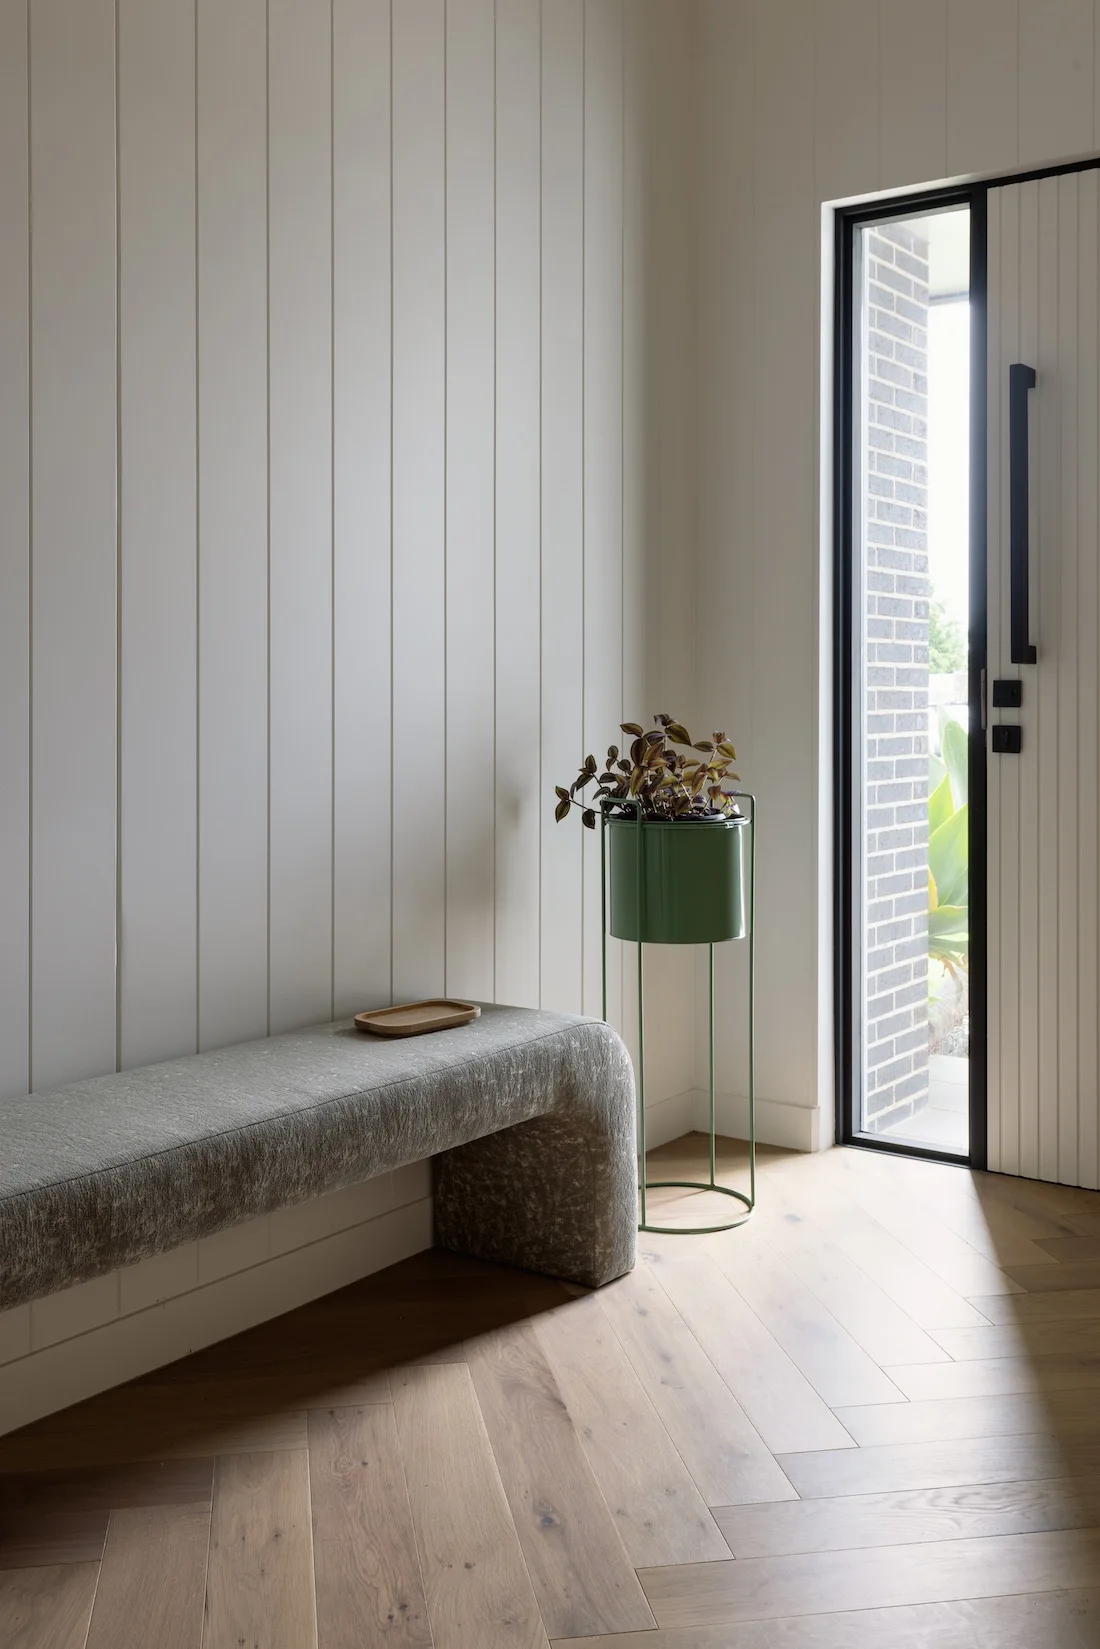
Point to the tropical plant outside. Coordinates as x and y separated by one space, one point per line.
949 854
949 893
946 643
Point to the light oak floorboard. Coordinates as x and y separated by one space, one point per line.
1002 1233
1068 1275
260 1581
1068 1249
873 1319
835 1365
704 1594
152 1579
723 1451
906 1518
995 1377
939 1465
778 1399
1086 1225
925 1297
369 1589
913 1222
103 1488
47 1608
30 1539
659 1513
167 1410
1069 1620
1080 1337
120 1444
583 1578
1064 1413
1043 1305
475 1579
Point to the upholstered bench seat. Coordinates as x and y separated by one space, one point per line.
529 1116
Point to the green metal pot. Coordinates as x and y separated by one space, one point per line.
691 889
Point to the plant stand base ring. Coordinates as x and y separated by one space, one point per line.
749 1200
696 1230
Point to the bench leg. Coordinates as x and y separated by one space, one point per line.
557 1194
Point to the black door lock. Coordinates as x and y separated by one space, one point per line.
1007 741
1008 695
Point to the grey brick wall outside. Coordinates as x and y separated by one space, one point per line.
895 641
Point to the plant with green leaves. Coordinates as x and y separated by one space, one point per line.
949 854
664 782
946 643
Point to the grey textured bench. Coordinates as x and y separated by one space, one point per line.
530 1117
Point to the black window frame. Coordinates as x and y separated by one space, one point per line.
846 801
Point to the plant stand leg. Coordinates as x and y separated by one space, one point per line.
644 1183
647 1184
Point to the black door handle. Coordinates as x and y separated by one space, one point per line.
1020 380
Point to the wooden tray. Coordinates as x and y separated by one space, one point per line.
440 1013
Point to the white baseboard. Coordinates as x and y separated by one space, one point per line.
668 1119
794 1127
82 1364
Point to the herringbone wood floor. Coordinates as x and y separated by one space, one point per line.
869 1420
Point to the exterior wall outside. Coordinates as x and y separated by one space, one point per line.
802 104
895 649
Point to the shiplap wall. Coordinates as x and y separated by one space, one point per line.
336 338
803 102
345 363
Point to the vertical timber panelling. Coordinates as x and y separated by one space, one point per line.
470 492
233 520
846 130
340 516
520 811
784 434
982 104
996 485
912 83
1067 829
419 552
1055 80
1040 869
361 500
73 625
15 568
603 432
158 511
300 493
1087 624
639 393
668 569
562 641
726 630
1043 863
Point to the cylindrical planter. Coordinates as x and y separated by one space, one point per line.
691 890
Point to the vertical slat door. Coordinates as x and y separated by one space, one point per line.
1044 991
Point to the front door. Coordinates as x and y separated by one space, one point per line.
1042 685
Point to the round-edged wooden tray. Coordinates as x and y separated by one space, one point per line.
439 1013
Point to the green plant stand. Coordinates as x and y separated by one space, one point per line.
684 922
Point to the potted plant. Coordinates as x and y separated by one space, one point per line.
674 834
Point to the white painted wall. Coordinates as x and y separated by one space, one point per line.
803 102
339 345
